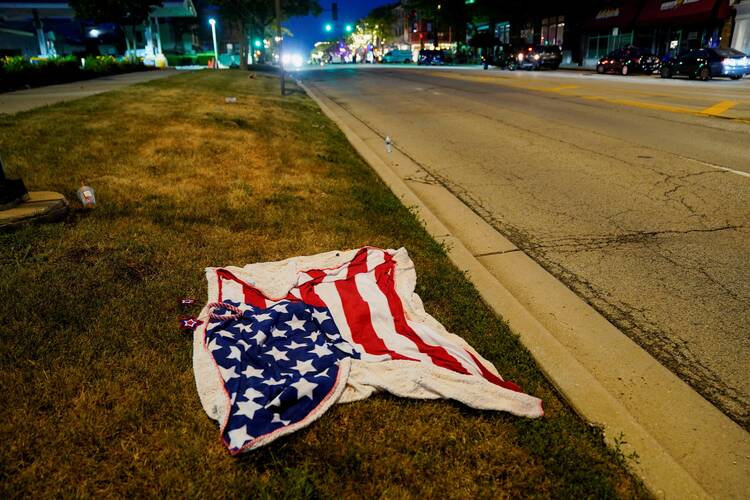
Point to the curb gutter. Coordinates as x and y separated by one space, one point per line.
686 448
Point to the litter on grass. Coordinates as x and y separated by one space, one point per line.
283 341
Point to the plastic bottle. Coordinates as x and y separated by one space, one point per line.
87 197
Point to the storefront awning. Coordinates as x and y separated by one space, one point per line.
616 15
682 11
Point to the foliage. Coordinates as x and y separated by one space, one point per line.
122 12
254 17
200 59
19 72
129 12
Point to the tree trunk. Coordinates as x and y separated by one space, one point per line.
243 46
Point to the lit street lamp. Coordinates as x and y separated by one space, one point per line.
212 22
328 27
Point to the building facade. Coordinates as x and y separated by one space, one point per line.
50 28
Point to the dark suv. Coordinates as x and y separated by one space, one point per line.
707 63
628 60
431 58
539 56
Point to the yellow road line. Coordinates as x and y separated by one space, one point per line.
719 108
562 87
715 110
643 105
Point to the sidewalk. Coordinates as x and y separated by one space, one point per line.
23 100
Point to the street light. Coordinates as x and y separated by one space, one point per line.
328 27
212 22
348 28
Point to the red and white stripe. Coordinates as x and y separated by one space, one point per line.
362 298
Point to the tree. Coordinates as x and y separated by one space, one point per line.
445 15
122 12
253 17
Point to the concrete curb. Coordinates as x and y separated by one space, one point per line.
686 447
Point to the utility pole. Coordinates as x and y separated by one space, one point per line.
281 43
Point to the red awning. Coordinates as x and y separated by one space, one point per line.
680 11
619 14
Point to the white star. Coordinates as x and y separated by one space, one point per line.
228 373
304 388
280 307
248 408
277 419
321 350
295 345
295 323
278 333
260 338
343 346
243 344
234 353
273 381
213 346
320 316
314 335
251 394
226 334
324 373
244 328
262 317
333 337
249 371
277 354
304 366
245 307
238 437
275 402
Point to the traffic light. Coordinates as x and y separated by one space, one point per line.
335 11
258 43
348 28
328 27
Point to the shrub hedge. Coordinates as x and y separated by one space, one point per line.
19 72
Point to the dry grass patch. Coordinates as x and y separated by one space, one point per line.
98 395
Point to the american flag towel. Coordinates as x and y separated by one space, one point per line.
283 341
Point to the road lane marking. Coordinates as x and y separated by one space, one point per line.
562 87
535 87
713 165
719 108
643 105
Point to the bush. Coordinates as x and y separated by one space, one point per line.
18 72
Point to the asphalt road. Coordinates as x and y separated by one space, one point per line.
634 191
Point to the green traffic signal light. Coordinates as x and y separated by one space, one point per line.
328 27
348 28
257 43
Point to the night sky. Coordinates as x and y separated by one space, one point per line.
308 30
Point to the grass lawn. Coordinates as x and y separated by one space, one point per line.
96 380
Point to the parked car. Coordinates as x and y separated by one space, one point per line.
539 56
398 56
628 60
505 56
707 63
431 58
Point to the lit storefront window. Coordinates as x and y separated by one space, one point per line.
552 30
502 32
